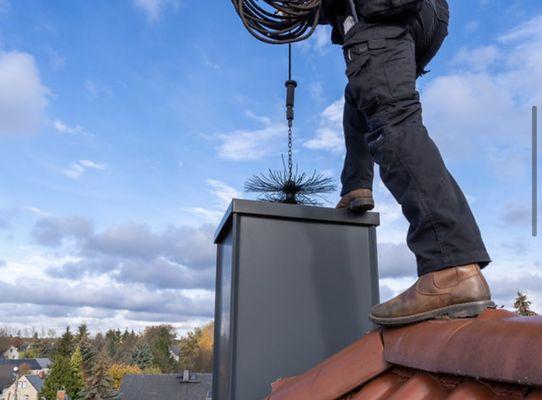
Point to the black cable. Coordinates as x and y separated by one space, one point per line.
279 21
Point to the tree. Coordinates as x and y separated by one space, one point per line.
24 369
66 344
57 378
160 339
5 340
76 383
88 356
523 305
82 333
100 385
119 371
142 355
197 349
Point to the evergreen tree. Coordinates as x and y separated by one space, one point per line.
76 384
66 344
82 333
523 305
142 355
88 356
100 385
57 379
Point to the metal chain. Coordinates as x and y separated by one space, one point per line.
290 162
290 122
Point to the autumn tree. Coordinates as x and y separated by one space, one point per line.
197 349
5 340
522 305
100 385
119 371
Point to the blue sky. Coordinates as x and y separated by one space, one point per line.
126 127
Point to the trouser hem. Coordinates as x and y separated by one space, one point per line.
481 258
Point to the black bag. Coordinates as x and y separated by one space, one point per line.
388 9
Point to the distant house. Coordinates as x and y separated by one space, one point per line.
175 352
11 354
34 366
167 387
26 387
7 377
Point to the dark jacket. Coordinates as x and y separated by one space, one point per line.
333 12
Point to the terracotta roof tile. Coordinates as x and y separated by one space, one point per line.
338 375
495 356
499 345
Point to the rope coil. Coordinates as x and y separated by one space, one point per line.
279 21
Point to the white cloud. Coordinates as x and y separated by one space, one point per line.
248 145
38 211
76 170
224 192
92 164
23 98
329 135
155 8
62 127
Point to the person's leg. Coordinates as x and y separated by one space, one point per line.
382 73
358 170
382 70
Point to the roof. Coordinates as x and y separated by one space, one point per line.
35 381
44 362
165 387
6 376
175 349
31 362
494 356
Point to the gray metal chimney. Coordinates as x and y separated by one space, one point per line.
294 286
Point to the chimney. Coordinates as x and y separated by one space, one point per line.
294 286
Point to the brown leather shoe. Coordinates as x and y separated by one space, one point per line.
359 200
456 292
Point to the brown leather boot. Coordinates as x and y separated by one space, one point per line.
456 292
359 200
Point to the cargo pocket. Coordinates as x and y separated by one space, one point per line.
400 68
359 78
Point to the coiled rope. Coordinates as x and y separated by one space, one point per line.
279 21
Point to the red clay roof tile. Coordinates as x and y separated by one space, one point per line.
433 360
498 345
338 375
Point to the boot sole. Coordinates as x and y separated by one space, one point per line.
464 310
361 204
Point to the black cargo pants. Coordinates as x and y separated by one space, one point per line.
383 124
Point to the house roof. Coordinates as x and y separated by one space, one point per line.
494 356
31 362
35 381
44 362
6 376
165 387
